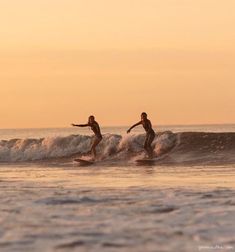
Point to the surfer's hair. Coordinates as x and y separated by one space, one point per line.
144 114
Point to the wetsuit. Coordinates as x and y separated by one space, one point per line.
150 134
96 129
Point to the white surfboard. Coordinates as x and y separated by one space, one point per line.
83 162
145 161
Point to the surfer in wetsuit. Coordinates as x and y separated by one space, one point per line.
150 134
96 129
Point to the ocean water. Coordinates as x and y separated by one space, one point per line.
184 201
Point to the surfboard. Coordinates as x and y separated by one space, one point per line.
145 161
83 162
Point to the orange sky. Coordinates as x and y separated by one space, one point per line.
62 60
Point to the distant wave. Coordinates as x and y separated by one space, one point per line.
172 148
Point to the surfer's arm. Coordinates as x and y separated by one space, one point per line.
138 123
149 125
97 129
80 125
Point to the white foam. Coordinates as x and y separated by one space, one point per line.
55 147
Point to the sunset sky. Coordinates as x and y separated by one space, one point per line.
62 60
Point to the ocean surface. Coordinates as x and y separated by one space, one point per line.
183 201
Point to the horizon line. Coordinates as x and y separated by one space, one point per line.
110 126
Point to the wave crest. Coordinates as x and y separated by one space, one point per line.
176 148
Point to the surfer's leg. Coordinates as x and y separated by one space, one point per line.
146 144
149 147
151 138
97 140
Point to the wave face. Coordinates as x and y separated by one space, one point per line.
204 148
171 148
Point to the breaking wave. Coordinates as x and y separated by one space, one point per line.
171 148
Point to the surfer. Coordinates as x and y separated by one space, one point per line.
150 134
96 129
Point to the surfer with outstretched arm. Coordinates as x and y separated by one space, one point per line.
150 134
96 129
